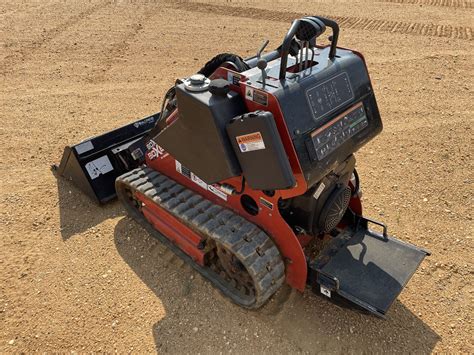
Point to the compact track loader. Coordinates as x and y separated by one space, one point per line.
248 173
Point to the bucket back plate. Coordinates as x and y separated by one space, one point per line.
94 164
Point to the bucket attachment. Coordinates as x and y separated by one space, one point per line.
94 164
365 267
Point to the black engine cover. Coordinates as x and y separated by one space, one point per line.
329 109
330 114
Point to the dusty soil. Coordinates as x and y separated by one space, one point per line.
78 277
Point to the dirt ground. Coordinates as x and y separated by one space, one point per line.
78 277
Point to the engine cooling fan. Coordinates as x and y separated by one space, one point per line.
334 208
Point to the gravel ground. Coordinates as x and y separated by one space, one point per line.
78 277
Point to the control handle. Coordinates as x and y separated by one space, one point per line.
285 47
262 65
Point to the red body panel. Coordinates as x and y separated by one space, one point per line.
178 233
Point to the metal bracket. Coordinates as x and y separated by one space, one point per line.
363 222
328 281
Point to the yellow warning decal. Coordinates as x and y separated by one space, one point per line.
250 142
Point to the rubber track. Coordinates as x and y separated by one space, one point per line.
252 246
345 22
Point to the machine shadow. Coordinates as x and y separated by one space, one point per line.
302 322
77 212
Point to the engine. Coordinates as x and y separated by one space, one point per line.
322 207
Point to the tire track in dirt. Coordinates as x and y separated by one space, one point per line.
399 27
28 50
119 48
442 3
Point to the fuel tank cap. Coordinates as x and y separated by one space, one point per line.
196 83
219 87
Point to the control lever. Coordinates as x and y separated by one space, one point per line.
262 62
262 48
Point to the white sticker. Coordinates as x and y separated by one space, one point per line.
99 166
326 292
250 142
257 96
249 93
217 191
233 78
319 190
84 147
198 181
178 167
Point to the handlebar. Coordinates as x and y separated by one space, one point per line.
285 47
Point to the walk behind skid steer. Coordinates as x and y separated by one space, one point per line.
248 174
